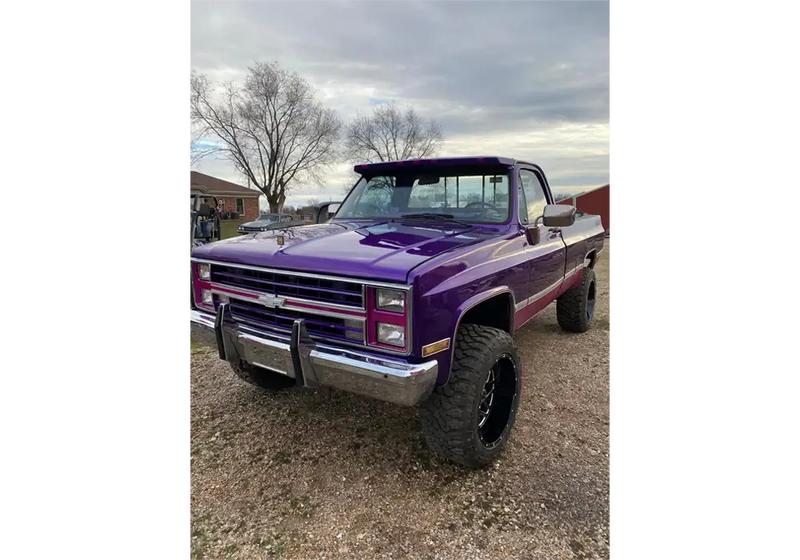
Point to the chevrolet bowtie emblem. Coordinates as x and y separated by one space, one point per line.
270 300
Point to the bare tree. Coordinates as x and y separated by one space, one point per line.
389 134
272 128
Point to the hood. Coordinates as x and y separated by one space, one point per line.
379 251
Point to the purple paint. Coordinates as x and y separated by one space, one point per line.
449 268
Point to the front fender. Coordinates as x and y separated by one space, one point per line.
480 298
448 319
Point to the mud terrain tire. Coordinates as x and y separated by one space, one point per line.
456 422
575 307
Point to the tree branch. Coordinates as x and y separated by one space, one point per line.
271 128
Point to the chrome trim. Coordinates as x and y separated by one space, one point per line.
574 270
202 319
539 295
307 274
273 330
291 299
268 354
350 343
364 285
397 382
256 293
356 372
288 305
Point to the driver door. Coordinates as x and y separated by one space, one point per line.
547 258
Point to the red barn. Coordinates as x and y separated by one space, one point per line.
594 201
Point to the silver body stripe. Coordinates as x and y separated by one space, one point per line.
536 297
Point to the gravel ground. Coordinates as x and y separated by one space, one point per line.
303 474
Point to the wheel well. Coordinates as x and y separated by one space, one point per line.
493 312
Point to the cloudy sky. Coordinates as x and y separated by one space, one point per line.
527 80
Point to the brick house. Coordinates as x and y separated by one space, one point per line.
230 196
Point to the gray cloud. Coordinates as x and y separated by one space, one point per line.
522 78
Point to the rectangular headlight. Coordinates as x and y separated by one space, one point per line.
207 298
390 300
204 271
394 335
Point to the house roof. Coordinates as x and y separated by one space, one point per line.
206 184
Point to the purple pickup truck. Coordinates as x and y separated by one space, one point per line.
410 293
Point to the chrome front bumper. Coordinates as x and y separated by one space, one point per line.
313 364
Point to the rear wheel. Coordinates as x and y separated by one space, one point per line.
469 419
260 377
575 307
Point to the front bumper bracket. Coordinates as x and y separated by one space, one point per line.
312 363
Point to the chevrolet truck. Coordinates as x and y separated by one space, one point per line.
411 293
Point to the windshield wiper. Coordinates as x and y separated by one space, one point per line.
433 216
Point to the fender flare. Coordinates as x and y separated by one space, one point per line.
477 299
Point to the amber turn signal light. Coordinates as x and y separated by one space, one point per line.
443 344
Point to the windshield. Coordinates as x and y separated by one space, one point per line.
469 197
267 218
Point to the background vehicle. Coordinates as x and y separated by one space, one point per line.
267 222
409 294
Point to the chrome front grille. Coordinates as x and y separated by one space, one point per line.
332 309
332 328
339 292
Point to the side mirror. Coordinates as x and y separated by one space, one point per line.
558 215
322 212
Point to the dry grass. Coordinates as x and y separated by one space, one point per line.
306 475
